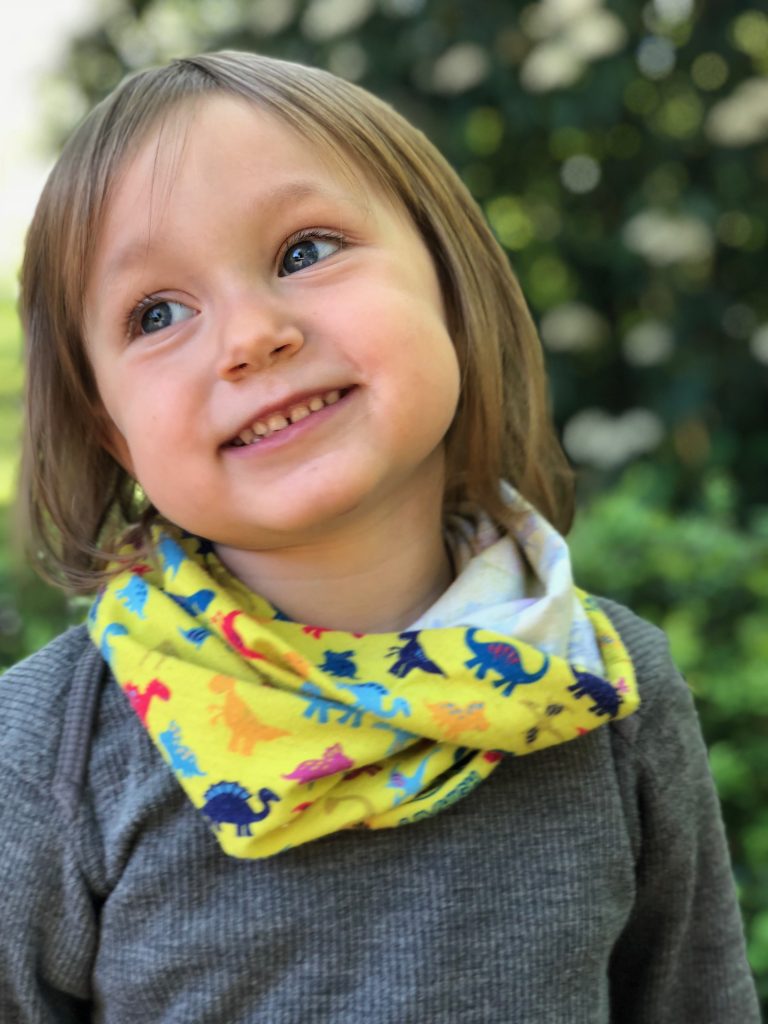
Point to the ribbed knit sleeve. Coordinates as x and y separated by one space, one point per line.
48 913
681 956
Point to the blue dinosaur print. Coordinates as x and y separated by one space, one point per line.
410 784
227 803
195 603
400 738
183 760
134 595
171 554
411 656
503 658
204 546
370 697
606 701
318 705
339 664
197 635
94 609
113 629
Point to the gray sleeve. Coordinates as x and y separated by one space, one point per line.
48 913
682 954
47 916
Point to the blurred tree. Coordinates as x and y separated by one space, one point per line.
620 151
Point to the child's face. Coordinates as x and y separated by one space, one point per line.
234 288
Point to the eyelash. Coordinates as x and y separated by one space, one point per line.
301 236
132 320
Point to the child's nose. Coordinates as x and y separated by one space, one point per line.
255 336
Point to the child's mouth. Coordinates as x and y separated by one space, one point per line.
265 428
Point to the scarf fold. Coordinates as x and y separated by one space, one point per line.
282 732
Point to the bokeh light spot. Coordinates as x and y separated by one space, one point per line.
510 221
709 71
648 343
483 130
674 10
460 68
580 173
759 344
739 320
567 141
573 327
749 33
549 282
680 115
734 228
655 57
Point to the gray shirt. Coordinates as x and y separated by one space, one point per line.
584 884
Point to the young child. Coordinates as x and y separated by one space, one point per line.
340 741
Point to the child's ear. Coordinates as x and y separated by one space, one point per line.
112 441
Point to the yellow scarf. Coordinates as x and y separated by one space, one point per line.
281 732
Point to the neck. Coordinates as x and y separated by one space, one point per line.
371 577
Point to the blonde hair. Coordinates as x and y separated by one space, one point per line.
77 500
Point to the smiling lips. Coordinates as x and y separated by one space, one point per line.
277 421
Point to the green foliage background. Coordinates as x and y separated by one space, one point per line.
630 189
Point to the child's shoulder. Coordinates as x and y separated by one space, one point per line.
666 721
35 698
647 644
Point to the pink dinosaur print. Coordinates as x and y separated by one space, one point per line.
333 760
140 701
233 637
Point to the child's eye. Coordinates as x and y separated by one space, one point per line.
151 316
307 250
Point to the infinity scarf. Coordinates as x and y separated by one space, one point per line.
281 732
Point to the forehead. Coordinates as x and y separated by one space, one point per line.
198 151
204 133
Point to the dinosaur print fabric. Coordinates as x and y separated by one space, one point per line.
281 732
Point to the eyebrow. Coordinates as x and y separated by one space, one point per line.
285 194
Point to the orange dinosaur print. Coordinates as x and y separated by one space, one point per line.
455 720
299 664
140 700
246 730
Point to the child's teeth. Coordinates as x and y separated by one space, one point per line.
277 421
298 412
